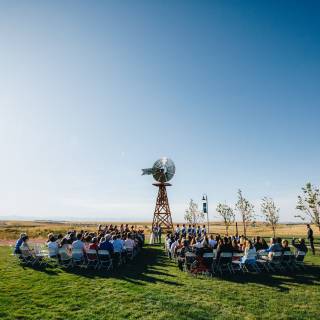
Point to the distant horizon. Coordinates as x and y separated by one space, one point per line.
37 219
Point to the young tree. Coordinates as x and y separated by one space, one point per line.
271 213
246 210
227 215
192 214
309 204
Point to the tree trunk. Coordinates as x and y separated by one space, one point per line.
244 226
274 232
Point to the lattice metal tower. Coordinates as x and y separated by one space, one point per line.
163 170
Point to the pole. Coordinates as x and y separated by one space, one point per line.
207 213
205 209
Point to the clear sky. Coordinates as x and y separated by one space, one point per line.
93 91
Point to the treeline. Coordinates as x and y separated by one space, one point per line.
308 206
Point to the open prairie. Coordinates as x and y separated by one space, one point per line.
151 286
10 230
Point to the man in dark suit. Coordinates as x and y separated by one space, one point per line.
310 237
159 233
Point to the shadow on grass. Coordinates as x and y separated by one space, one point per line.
283 281
139 271
151 266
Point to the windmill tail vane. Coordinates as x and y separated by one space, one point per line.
147 171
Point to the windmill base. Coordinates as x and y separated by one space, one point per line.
162 213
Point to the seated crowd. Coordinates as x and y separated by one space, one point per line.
117 241
246 250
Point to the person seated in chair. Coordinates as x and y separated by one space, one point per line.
212 241
223 246
66 246
205 244
78 244
300 246
19 243
274 246
105 244
129 243
264 244
94 244
197 246
52 246
250 253
235 246
285 245
182 254
25 250
117 243
25 245
117 248
258 244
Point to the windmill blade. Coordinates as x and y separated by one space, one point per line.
163 170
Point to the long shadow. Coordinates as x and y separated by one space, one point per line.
48 269
146 268
281 280
139 271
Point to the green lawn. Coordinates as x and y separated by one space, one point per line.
153 288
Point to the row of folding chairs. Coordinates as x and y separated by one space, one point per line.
28 259
281 261
230 262
100 259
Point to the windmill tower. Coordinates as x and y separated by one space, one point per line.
163 171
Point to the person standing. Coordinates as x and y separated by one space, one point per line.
155 234
198 231
310 238
177 231
159 233
183 231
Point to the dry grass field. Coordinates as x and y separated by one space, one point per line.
151 286
10 230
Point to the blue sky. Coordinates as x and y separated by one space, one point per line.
93 91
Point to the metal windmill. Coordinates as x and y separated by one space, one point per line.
163 171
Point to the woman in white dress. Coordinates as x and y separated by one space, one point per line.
154 235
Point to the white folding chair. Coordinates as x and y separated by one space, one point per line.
236 263
105 260
263 260
27 257
130 253
190 258
288 260
92 259
299 259
65 258
275 261
224 263
250 263
78 257
51 254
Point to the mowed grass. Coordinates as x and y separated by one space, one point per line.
153 288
